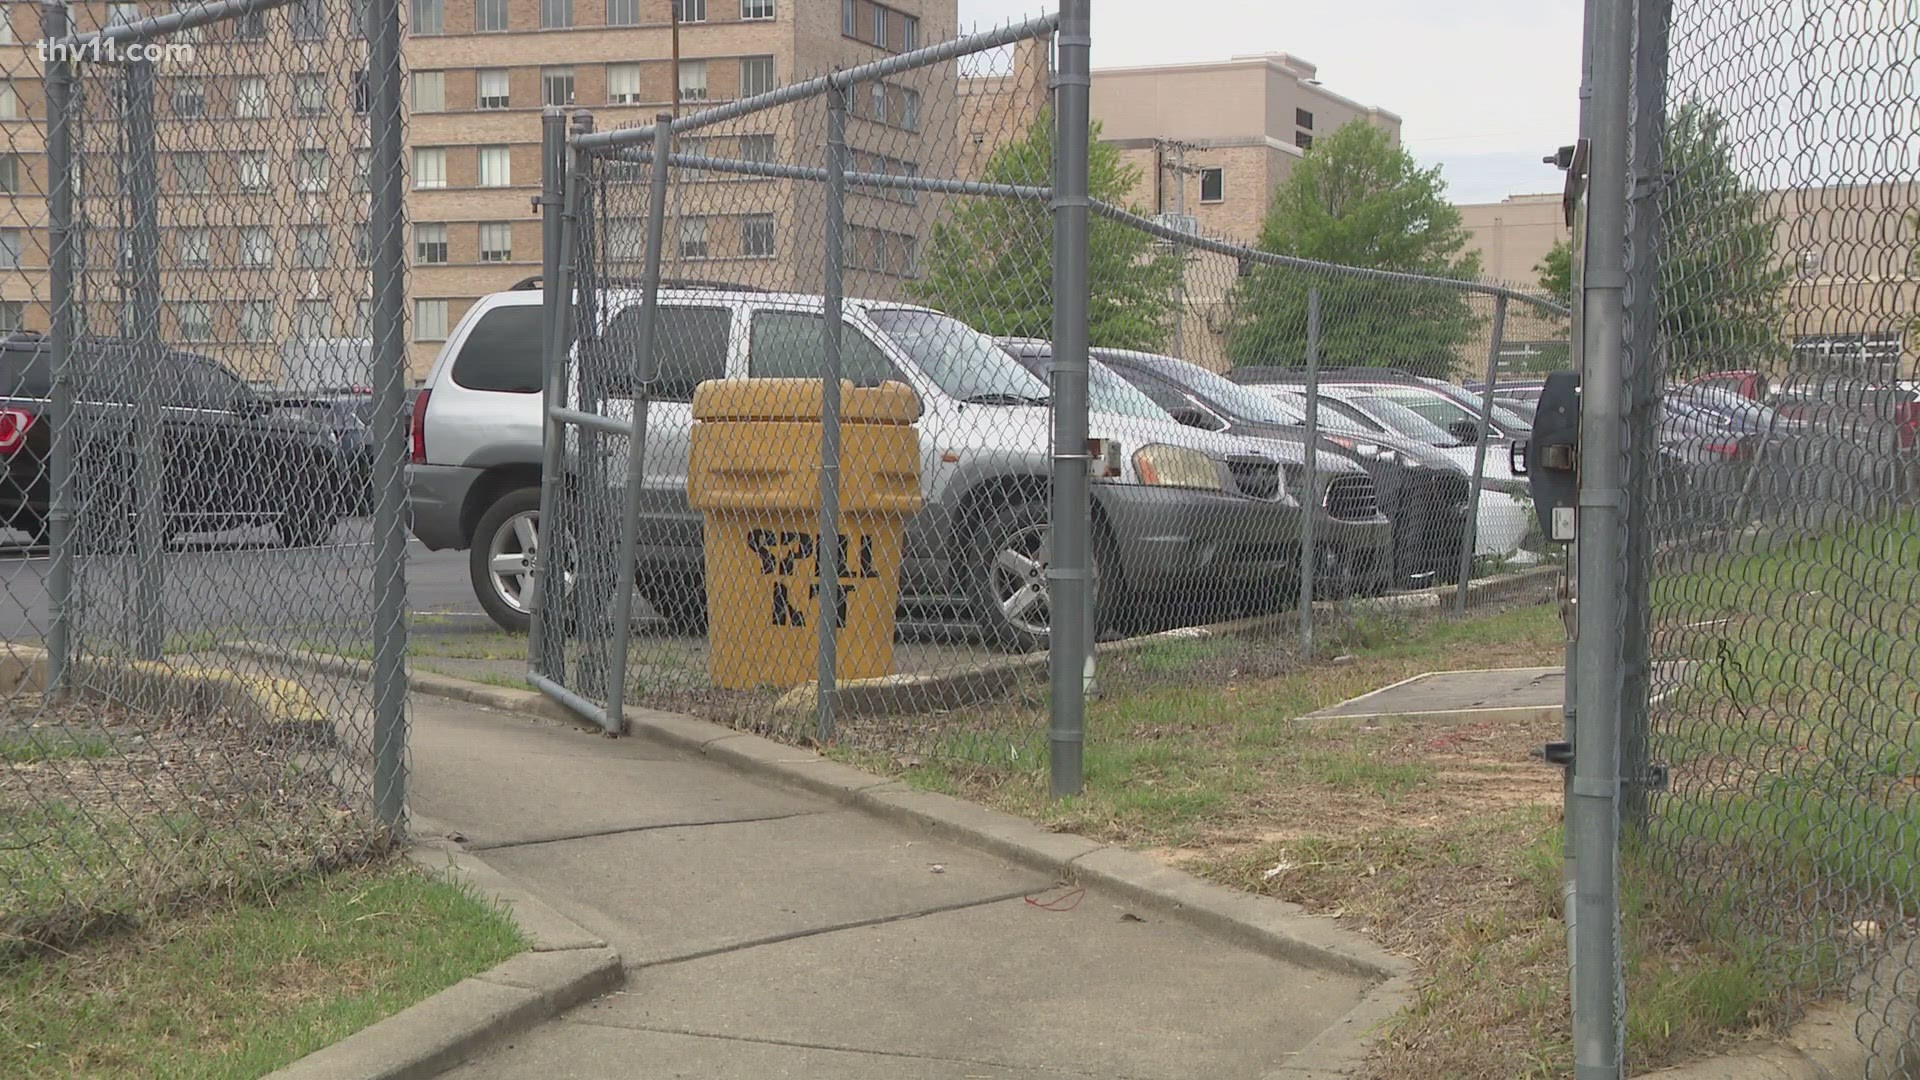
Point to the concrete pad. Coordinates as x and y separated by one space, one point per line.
425 1039
673 893
499 780
1089 989
1528 689
565 1051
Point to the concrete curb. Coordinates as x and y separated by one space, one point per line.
427 682
178 684
565 966
1821 1047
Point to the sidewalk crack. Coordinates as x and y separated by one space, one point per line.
623 830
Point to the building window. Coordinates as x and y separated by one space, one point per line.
309 95
623 12
196 247
430 167
13 313
556 14
429 243
256 320
122 14
362 319
313 319
623 84
312 250
309 19
756 9
1303 118
191 172
428 17
10 174
496 166
10 248
195 319
758 148
909 107
250 98
693 238
691 10
496 242
9 101
360 239
1213 185
492 83
1810 262
626 239
362 170
362 92
880 26
429 91
879 113
556 85
849 18
756 75
256 171
693 80
909 33
315 171
429 320
756 236
489 16
189 98
1303 140
251 26
256 246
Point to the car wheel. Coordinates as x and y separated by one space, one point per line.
501 560
302 526
1007 563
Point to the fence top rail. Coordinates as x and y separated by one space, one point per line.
1268 258
153 26
814 87
778 171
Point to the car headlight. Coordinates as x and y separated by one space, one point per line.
1176 466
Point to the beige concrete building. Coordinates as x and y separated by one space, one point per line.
1514 235
1214 140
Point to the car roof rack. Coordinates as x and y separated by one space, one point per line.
1260 373
529 283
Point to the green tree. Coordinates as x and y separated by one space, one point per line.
1358 199
1556 273
990 263
1720 270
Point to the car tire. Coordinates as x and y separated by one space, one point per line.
303 526
1006 559
503 534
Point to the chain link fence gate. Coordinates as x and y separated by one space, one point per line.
1770 684
206 201
916 197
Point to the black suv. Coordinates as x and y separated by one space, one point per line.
231 459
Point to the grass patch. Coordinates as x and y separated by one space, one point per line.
241 990
35 747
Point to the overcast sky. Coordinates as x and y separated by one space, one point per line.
1484 88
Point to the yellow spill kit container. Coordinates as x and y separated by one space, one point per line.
754 475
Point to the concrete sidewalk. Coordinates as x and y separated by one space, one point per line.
771 932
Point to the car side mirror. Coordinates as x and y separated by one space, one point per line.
1467 431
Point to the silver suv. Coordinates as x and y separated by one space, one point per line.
1178 513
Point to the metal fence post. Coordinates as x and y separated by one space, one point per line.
1070 571
1648 164
1309 557
827 545
1593 805
140 318
546 643
61 232
644 369
1469 537
387 230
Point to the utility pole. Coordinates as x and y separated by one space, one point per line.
1180 170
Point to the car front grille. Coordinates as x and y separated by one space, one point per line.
1255 477
1352 498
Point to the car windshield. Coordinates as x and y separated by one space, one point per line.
1228 396
1107 392
1334 416
1743 411
1406 421
1436 409
961 361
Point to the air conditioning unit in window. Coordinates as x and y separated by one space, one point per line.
1185 224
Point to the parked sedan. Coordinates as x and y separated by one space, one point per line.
344 415
1418 489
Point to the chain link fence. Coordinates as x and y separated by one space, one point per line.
867 261
1768 627
196 480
